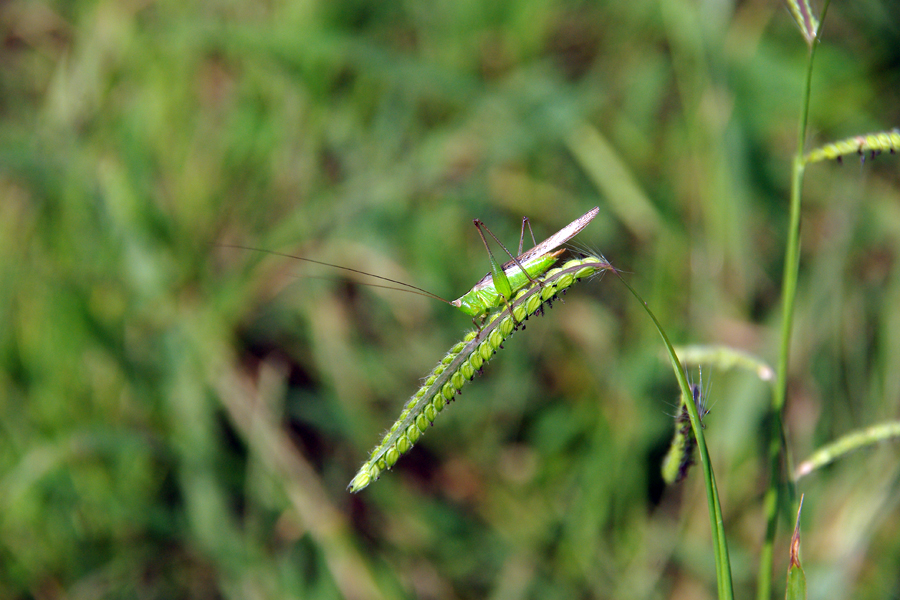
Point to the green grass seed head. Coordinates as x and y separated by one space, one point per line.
806 21
672 463
461 363
680 457
873 143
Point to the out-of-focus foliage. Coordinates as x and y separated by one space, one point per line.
180 420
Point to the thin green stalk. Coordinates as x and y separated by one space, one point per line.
723 564
777 447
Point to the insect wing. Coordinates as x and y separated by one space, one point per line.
551 243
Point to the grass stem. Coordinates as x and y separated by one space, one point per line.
777 447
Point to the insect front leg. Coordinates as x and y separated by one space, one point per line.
501 281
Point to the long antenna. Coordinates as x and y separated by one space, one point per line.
412 289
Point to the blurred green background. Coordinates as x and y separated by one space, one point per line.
180 420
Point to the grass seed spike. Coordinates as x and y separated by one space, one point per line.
467 358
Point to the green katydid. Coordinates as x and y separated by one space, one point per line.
496 287
503 281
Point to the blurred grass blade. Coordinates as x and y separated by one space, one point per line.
847 444
245 402
615 180
796 580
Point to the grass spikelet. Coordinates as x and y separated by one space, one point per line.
872 143
846 444
465 359
680 456
725 358
802 13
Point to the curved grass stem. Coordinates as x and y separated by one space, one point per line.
723 564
